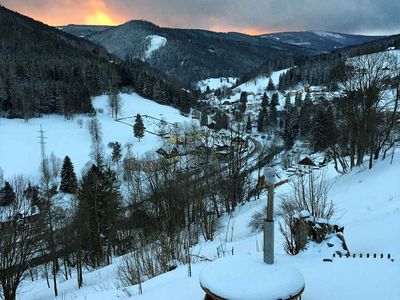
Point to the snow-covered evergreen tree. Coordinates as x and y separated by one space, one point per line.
7 195
138 127
69 182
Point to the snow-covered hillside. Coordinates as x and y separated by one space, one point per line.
216 83
20 149
367 204
259 84
328 34
154 42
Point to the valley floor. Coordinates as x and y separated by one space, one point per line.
20 149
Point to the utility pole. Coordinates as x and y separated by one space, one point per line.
42 143
269 175
46 188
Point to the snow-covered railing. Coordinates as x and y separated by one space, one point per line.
367 255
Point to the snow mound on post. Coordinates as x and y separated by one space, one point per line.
248 277
154 42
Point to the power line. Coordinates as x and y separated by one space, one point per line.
42 143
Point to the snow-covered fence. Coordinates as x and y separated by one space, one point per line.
367 255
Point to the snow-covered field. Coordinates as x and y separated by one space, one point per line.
20 149
367 204
216 83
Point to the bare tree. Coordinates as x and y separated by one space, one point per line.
20 231
365 85
308 193
115 103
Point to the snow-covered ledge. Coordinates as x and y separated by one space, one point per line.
247 277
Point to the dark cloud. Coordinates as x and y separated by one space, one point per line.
352 16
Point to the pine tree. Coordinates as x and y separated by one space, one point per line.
264 101
69 182
288 101
116 154
138 127
273 112
248 124
324 128
290 128
243 101
271 86
32 194
274 100
7 195
298 101
99 213
261 121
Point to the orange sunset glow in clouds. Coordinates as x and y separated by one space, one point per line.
252 17
97 14
102 12
88 12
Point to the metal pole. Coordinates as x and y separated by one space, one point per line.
269 174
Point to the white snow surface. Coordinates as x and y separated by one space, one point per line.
154 43
368 206
327 34
248 277
20 149
260 83
216 83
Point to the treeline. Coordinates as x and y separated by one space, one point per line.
322 69
268 67
317 69
44 70
149 83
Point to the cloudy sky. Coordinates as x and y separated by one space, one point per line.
249 16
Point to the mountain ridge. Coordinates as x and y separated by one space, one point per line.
192 54
325 41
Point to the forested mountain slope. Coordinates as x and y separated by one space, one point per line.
322 41
189 54
319 69
45 70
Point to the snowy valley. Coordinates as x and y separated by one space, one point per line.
146 162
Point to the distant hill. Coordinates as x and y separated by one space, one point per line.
190 54
45 70
324 68
318 69
322 41
83 30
